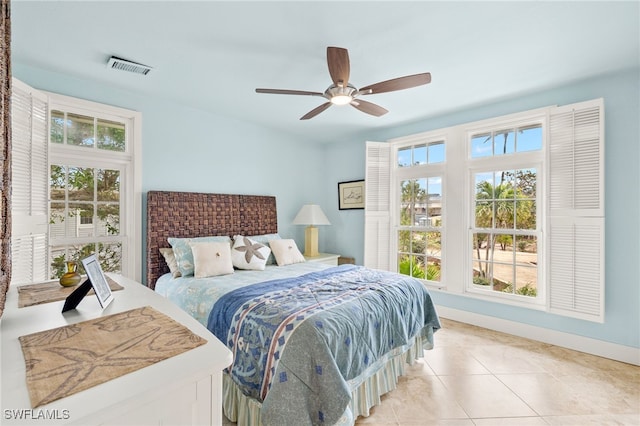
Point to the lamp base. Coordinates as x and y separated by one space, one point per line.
311 241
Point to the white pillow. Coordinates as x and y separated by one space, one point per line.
170 258
211 259
286 252
249 254
182 251
264 239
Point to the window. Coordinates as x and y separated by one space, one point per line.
418 229
93 188
514 213
78 195
504 226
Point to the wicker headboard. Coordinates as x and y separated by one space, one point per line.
192 214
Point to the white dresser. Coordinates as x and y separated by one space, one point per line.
182 390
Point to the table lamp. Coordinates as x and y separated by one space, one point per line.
311 215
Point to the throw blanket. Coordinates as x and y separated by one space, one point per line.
296 342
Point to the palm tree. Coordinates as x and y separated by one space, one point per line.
495 207
412 194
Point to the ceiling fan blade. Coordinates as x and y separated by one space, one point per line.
338 61
315 111
288 92
399 83
368 107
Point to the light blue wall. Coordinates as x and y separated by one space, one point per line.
185 149
345 236
621 93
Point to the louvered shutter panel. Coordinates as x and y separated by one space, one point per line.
576 160
29 196
576 210
377 225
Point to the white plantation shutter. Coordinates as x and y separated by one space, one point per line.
576 210
576 159
29 196
377 223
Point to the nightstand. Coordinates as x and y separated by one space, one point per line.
328 258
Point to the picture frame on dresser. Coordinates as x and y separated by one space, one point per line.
95 280
98 280
351 195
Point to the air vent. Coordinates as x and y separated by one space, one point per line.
124 65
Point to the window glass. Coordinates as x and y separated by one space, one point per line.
504 254
404 157
481 146
416 155
108 219
77 214
111 135
419 155
80 183
419 240
436 152
108 185
57 182
80 130
529 139
506 141
57 127
85 205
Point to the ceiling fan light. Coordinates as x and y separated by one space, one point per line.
341 99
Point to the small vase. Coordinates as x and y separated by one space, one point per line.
71 277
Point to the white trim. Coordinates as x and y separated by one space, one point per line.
622 353
135 252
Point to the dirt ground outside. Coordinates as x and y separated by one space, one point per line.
526 270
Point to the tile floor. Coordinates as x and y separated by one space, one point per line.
479 377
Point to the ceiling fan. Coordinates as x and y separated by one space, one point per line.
341 92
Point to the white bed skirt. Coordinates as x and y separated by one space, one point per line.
380 378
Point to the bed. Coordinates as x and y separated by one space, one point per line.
312 343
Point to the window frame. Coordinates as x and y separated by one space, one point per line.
509 161
416 172
127 162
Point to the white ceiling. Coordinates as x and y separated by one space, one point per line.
212 55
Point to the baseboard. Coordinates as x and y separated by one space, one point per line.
601 348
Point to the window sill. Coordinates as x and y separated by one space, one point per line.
502 300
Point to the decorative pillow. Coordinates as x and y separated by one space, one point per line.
249 254
183 254
264 239
170 258
286 252
211 259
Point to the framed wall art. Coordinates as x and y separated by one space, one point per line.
351 195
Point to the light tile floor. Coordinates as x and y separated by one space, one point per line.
476 376
480 377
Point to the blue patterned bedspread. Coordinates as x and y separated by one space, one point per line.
297 341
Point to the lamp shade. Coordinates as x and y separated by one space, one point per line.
311 214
